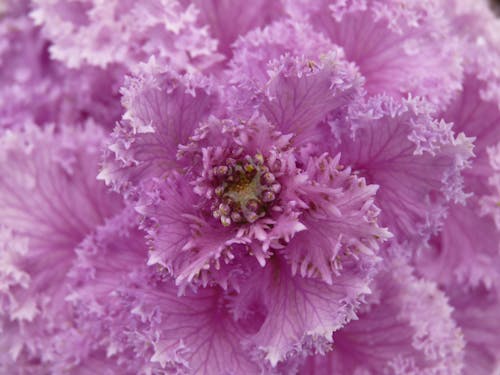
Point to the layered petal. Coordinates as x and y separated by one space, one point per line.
476 24
340 225
249 67
12 278
300 313
468 249
38 165
212 340
398 45
162 111
476 311
227 20
125 33
415 159
475 115
406 329
145 325
222 204
297 84
35 88
50 200
183 240
301 93
229 202
281 167
104 261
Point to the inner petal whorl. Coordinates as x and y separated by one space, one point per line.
244 190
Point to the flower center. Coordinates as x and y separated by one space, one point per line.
244 190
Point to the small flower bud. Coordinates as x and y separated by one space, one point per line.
236 217
276 188
253 205
268 178
226 221
268 196
224 209
221 170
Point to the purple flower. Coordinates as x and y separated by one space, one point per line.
290 187
239 188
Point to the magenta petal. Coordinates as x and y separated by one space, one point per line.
477 117
476 311
301 93
415 159
285 198
253 51
301 313
50 199
407 329
124 33
340 225
39 165
229 19
182 241
144 315
398 45
162 111
35 88
468 248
